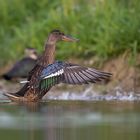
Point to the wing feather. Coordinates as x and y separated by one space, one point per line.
66 80
77 79
83 75
90 77
69 78
70 74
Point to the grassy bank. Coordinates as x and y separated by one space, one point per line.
105 28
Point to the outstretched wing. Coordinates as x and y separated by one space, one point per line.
70 74
75 74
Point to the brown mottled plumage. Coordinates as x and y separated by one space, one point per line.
48 72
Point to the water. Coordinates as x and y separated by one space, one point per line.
70 120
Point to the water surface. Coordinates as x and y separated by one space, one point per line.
70 120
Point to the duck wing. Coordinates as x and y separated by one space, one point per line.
71 74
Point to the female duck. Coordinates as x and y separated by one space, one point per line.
49 72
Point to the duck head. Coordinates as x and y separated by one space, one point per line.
57 35
31 52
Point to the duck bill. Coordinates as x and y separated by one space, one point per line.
69 38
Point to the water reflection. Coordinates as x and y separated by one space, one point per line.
70 120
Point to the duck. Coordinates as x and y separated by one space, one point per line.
48 72
21 68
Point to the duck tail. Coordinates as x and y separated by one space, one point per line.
22 91
12 96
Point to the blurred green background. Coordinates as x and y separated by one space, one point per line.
106 28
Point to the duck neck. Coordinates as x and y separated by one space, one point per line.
48 56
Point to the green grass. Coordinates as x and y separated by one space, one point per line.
106 28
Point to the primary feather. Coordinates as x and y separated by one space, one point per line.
70 74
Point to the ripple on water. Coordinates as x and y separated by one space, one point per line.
88 94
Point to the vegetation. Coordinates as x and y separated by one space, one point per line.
105 27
